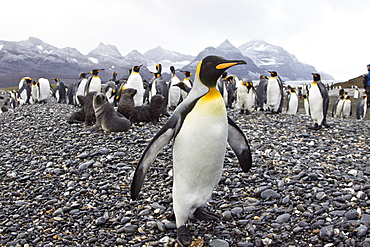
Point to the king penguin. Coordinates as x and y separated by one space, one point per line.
187 81
261 92
110 91
361 108
35 92
292 104
347 107
93 84
274 93
201 130
136 81
159 86
60 91
44 90
306 105
80 88
174 92
319 102
24 91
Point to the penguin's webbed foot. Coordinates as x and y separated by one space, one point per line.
183 236
315 127
202 214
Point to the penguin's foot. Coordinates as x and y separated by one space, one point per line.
183 236
315 127
202 214
326 125
241 112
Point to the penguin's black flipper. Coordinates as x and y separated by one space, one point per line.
161 139
239 145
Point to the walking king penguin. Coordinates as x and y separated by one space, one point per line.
93 84
274 93
201 129
319 102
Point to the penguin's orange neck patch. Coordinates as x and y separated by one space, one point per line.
212 94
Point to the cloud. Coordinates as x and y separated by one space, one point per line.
330 35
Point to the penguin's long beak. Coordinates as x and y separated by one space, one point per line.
228 64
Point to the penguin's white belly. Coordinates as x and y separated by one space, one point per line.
174 92
346 108
109 95
306 107
273 95
316 105
34 93
44 89
242 93
293 104
198 153
135 81
81 88
250 100
339 109
95 84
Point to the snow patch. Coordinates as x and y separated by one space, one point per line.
74 60
40 47
1 46
48 52
94 60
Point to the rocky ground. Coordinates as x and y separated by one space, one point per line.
63 186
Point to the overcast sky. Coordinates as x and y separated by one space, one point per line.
332 35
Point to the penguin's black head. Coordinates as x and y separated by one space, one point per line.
56 79
212 67
187 73
82 75
158 67
96 71
273 73
28 80
172 69
136 68
316 77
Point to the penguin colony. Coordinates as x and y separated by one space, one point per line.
196 119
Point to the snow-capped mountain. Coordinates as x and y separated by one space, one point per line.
271 57
227 50
166 58
35 58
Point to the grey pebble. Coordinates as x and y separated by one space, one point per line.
218 243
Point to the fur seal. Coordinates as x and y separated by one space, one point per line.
149 113
126 103
106 117
86 113
144 113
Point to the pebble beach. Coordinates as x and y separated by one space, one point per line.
61 185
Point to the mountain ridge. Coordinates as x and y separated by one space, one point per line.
39 59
